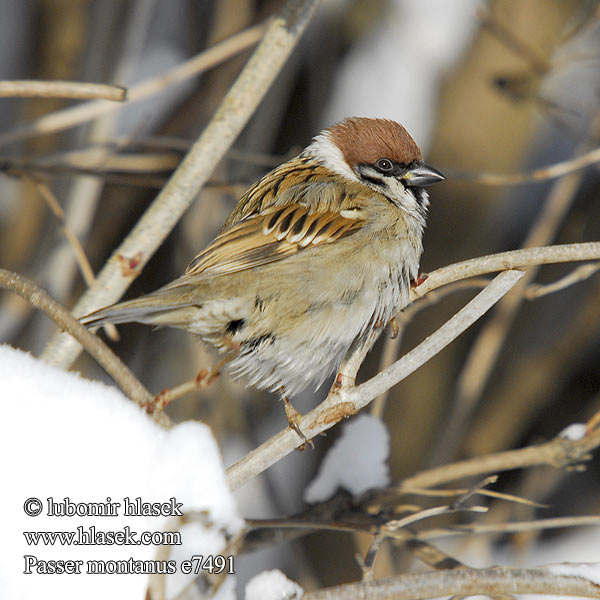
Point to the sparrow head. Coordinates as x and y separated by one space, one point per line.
381 154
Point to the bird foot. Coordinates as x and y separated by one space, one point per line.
343 382
207 375
418 280
394 328
294 417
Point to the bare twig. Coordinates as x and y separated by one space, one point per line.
513 259
92 161
542 174
84 266
559 452
62 89
490 493
512 527
581 273
304 526
341 403
39 299
392 527
81 199
430 553
193 172
388 357
334 407
202 380
76 115
537 62
484 352
78 251
427 513
571 581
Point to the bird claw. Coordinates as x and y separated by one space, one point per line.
294 417
418 280
206 376
394 328
343 382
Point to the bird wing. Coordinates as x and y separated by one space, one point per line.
271 236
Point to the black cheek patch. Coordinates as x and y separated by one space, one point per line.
234 327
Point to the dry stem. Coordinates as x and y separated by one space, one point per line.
338 405
76 115
112 364
486 349
513 259
559 452
175 198
468 582
341 403
541 174
62 89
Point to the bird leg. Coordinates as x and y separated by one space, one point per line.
343 382
394 328
209 374
202 380
418 280
294 417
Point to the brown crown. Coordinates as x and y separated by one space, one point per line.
364 141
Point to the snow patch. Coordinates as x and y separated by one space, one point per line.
589 571
62 436
357 461
273 585
574 432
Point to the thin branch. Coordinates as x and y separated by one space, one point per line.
236 109
484 352
559 452
512 527
342 403
84 265
305 526
427 513
202 380
531 292
335 406
61 89
489 21
581 273
80 257
391 529
92 161
469 582
388 357
76 115
490 493
514 259
111 363
541 174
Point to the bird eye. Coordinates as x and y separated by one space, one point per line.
384 165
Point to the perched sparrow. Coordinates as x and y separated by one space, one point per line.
316 255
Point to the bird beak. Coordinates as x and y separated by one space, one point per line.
421 174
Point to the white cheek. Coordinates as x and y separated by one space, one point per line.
405 198
329 155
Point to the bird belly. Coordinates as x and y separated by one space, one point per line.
319 329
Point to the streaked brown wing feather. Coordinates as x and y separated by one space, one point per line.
260 240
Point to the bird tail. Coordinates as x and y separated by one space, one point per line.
168 307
